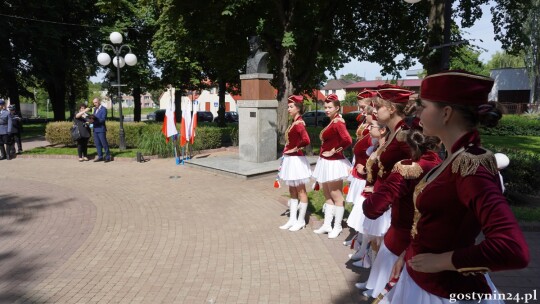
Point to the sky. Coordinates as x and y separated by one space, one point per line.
482 30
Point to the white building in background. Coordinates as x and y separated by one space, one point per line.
208 100
336 86
512 85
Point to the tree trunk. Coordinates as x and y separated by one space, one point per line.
72 96
57 92
221 110
431 59
7 68
285 89
137 103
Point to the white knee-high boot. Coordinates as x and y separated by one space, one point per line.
293 209
301 221
328 217
338 212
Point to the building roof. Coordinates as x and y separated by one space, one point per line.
372 84
336 84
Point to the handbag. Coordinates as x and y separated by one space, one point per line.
75 134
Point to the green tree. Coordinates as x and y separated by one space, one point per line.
136 20
501 60
467 58
532 49
352 77
350 99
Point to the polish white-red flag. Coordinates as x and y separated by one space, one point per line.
186 127
169 122
194 121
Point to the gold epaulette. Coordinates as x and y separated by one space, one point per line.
467 163
412 171
401 136
473 270
299 122
338 119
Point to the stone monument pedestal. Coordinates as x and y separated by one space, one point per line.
257 116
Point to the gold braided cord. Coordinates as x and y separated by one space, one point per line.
467 163
298 122
411 171
417 215
383 148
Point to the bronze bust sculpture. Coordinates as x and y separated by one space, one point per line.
257 62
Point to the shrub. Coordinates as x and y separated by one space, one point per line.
58 133
528 125
523 174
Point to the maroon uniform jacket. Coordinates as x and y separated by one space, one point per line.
335 135
296 136
359 150
452 209
397 191
396 150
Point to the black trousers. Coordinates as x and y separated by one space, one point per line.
82 147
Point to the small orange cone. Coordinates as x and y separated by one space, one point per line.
276 184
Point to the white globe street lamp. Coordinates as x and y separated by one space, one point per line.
119 62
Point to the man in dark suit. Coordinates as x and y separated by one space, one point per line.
100 131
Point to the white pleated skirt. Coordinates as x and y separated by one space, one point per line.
356 217
331 170
295 170
407 291
381 271
379 226
356 187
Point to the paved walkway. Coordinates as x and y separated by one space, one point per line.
155 232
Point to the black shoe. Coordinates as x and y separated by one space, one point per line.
19 152
98 160
2 158
107 160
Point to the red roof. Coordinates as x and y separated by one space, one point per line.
372 84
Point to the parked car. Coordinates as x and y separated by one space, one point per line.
316 118
205 116
158 115
350 120
229 117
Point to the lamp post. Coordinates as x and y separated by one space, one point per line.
445 56
119 62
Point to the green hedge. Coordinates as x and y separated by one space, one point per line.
528 125
523 174
58 133
148 136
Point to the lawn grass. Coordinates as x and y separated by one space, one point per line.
523 143
33 130
115 152
316 202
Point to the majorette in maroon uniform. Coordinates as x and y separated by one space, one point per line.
295 169
332 166
458 199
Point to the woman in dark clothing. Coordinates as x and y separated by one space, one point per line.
82 120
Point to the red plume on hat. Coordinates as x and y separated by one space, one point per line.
331 98
365 93
394 93
456 87
295 99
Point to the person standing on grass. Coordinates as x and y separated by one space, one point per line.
100 131
332 167
81 120
295 170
